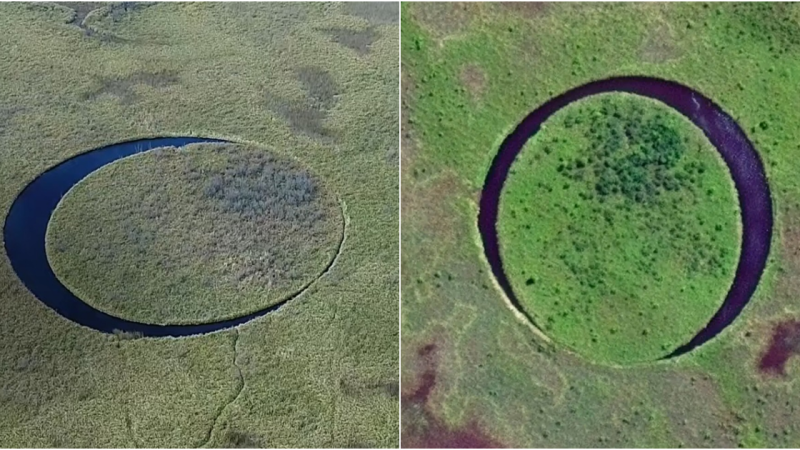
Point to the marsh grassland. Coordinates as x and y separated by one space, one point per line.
618 227
309 94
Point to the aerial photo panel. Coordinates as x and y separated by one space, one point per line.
600 241
200 213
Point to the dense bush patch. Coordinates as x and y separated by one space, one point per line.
631 154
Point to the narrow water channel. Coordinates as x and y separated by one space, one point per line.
26 227
742 159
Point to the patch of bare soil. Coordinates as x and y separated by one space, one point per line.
122 88
421 427
442 19
378 13
360 41
474 79
659 46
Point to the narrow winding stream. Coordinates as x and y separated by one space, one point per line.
26 227
742 159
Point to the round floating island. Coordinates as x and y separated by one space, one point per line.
619 228
614 231
196 234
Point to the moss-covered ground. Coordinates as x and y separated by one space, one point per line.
472 371
289 78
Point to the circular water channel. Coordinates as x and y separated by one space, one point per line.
26 227
741 158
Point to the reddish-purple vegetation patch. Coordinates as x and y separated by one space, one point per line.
437 435
421 428
427 377
785 343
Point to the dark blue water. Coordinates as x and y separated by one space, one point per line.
742 159
26 225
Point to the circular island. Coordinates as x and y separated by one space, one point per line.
744 167
196 236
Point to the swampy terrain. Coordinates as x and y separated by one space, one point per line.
299 203
619 227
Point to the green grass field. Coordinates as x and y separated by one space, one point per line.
313 84
472 371
619 229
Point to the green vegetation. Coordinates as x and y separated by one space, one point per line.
619 229
471 72
198 235
311 375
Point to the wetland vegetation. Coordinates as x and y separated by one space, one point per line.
311 375
471 73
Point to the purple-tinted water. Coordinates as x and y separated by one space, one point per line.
723 132
26 226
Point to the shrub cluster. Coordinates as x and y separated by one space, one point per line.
256 186
263 188
273 209
631 155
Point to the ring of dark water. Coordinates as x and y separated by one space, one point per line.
26 227
742 159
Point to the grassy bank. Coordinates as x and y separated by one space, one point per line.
319 372
471 369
